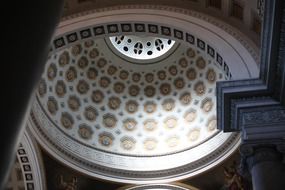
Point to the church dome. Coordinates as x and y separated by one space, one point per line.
109 108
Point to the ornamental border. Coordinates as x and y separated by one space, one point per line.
238 35
30 161
129 176
140 28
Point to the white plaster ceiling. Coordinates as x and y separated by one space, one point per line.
120 120
105 102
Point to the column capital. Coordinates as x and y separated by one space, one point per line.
255 154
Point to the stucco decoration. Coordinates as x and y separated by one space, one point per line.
149 110
28 172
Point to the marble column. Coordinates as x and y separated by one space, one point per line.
266 166
28 27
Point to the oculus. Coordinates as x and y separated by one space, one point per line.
141 47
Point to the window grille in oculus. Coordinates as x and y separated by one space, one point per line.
141 47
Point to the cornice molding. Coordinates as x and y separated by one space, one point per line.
236 99
243 39
29 157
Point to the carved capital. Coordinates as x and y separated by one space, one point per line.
265 123
260 8
272 116
246 150
281 148
252 155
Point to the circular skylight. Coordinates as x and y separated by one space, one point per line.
141 47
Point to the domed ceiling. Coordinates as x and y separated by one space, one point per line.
118 106
135 106
107 103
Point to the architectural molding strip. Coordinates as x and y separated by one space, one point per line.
270 85
31 163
